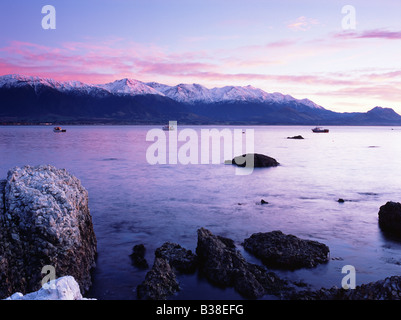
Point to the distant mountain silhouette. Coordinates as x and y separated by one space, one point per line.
36 100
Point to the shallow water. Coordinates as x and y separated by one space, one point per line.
133 202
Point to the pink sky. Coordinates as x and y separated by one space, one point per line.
303 52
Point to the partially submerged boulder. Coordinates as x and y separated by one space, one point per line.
223 265
276 249
390 217
179 258
138 256
387 289
160 282
45 220
254 160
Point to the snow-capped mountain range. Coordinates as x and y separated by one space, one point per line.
33 100
184 93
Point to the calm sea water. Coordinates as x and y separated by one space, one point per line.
133 202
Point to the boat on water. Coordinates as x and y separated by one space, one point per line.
320 130
168 128
58 129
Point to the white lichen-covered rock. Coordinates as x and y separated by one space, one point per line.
45 221
64 288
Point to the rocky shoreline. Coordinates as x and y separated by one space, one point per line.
45 221
218 260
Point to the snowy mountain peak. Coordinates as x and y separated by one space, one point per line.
310 104
158 86
237 93
189 93
129 87
185 93
19 80
16 80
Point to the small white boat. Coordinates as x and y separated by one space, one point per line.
58 129
320 130
168 128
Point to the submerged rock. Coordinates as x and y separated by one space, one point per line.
138 256
390 217
45 221
387 289
179 258
254 160
276 249
160 282
223 265
64 288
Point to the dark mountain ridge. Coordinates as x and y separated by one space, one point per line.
33 100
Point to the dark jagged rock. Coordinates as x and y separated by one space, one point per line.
138 256
263 202
160 282
179 258
390 217
44 220
254 160
296 137
276 249
341 200
223 265
387 289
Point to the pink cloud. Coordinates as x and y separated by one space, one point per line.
302 24
89 62
371 34
80 61
378 92
172 68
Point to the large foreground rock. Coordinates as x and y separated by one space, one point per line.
64 288
390 217
276 249
223 265
255 160
44 220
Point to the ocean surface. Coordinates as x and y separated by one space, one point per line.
133 202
